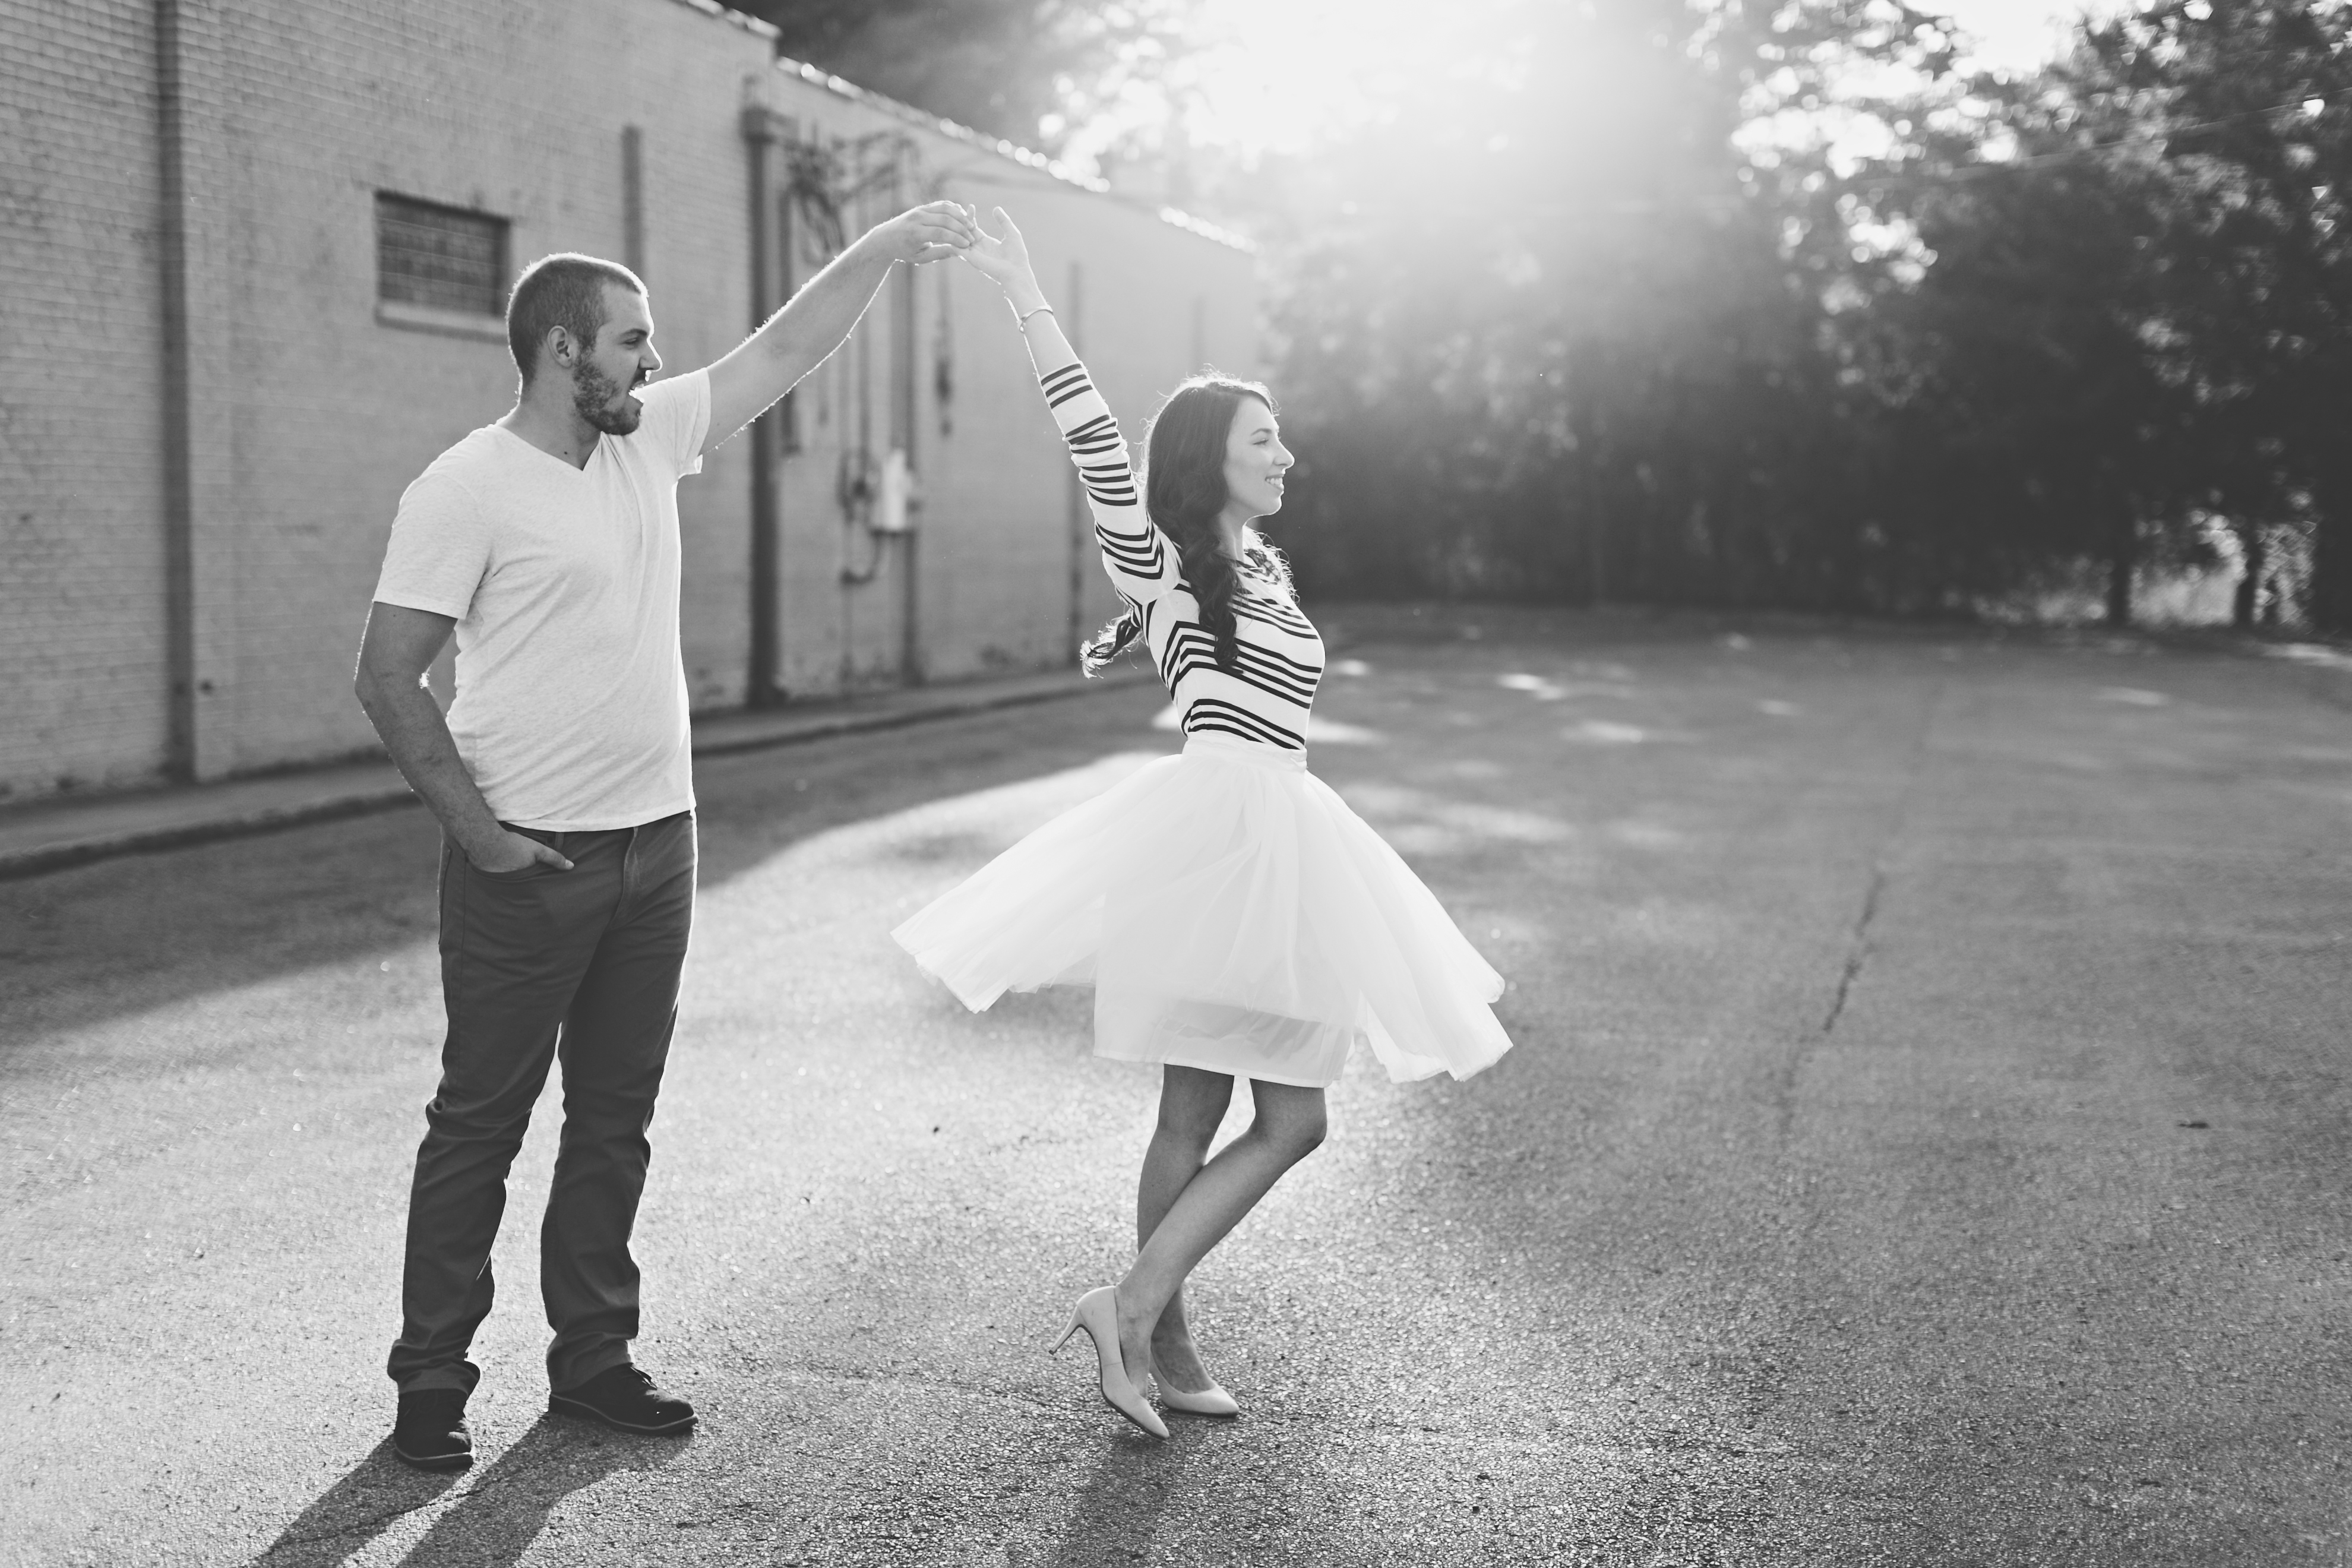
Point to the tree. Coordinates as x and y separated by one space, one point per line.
1576 341
1554 334
2024 385
2251 103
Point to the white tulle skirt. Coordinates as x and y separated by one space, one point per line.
1232 914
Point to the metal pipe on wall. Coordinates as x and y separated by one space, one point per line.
179 478
903 303
761 686
633 199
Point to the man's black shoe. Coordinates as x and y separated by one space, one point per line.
624 1398
430 1431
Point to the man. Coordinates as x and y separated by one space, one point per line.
548 543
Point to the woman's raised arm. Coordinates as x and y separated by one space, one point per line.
1141 561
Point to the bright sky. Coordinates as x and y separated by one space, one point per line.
1289 68
2018 34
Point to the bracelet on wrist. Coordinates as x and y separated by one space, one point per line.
1020 318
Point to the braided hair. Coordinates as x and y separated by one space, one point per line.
1184 494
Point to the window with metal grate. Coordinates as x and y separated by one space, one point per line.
447 257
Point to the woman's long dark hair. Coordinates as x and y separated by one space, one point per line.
1184 493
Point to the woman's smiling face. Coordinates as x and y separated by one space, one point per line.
1255 460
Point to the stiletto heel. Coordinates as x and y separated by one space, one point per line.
1210 1401
1097 1313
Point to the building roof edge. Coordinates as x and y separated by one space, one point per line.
751 24
955 131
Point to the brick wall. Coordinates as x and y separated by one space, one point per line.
308 414
515 109
82 657
999 532
993 547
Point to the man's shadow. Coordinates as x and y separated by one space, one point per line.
502 1512
378 1493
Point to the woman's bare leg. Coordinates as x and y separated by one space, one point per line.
1289 1125
1191 1107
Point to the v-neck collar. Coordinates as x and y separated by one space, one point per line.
535 447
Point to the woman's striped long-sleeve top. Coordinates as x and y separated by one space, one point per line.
1266 697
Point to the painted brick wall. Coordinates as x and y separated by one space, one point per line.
1151 305
310 414
516 109
82 672
993 545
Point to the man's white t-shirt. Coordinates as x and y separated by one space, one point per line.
571 710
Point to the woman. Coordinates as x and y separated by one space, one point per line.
1233 917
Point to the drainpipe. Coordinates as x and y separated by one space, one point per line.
179 479
761 687
633 199
902 417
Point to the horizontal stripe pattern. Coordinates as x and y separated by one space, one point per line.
1274 611
1215 716
1265 698
1287 679
1140 560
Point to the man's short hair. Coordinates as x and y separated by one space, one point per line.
567 291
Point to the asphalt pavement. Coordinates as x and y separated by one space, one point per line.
1925 1143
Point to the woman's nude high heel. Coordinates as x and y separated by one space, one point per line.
1097 1313
1210 1401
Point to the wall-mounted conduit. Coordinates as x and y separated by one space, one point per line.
806 190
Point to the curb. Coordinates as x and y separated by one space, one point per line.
17 864
945 703
724 735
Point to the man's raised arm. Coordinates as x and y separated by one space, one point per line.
796 338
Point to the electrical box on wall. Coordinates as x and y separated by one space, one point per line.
893 509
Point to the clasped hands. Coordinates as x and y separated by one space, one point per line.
938 230
932 232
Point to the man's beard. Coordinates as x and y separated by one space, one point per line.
592 390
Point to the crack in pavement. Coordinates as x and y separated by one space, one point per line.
1858 946
1858 950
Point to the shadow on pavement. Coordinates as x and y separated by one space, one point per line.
504 1512
501 1512
147 932
1123 1500
379 1491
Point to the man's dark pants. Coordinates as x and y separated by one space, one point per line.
536 964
